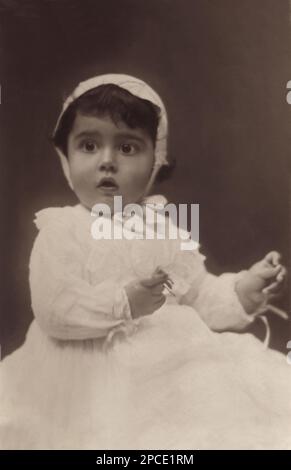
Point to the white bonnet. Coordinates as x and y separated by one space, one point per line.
138 88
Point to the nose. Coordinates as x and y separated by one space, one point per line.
108 160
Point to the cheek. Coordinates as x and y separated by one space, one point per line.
80 168
138 177
143 167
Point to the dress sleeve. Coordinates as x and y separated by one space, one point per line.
214 297
65 305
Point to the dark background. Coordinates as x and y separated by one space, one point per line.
221 68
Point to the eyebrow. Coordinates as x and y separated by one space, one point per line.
123 135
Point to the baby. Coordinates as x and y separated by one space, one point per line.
110 361
108 150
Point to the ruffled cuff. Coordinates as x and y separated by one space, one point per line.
121 310
258 313
121 307
260 309
242 318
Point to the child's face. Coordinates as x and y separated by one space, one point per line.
98 148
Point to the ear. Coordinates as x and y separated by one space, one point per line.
66 168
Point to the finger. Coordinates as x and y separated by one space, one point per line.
281 276
167 291
272 288
154 280
280 279
268 273
273 257
161 271
157 290
159 287
169 283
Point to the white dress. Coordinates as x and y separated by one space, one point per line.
90 377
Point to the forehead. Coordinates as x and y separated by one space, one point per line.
105 127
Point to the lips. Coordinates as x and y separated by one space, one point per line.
108 184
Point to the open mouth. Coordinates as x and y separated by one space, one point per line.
108 184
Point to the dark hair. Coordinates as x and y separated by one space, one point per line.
120 105
115 102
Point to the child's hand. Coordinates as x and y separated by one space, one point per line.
263 281
145 296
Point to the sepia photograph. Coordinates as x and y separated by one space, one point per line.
145 148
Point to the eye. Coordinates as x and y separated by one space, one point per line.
129 149
89 146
